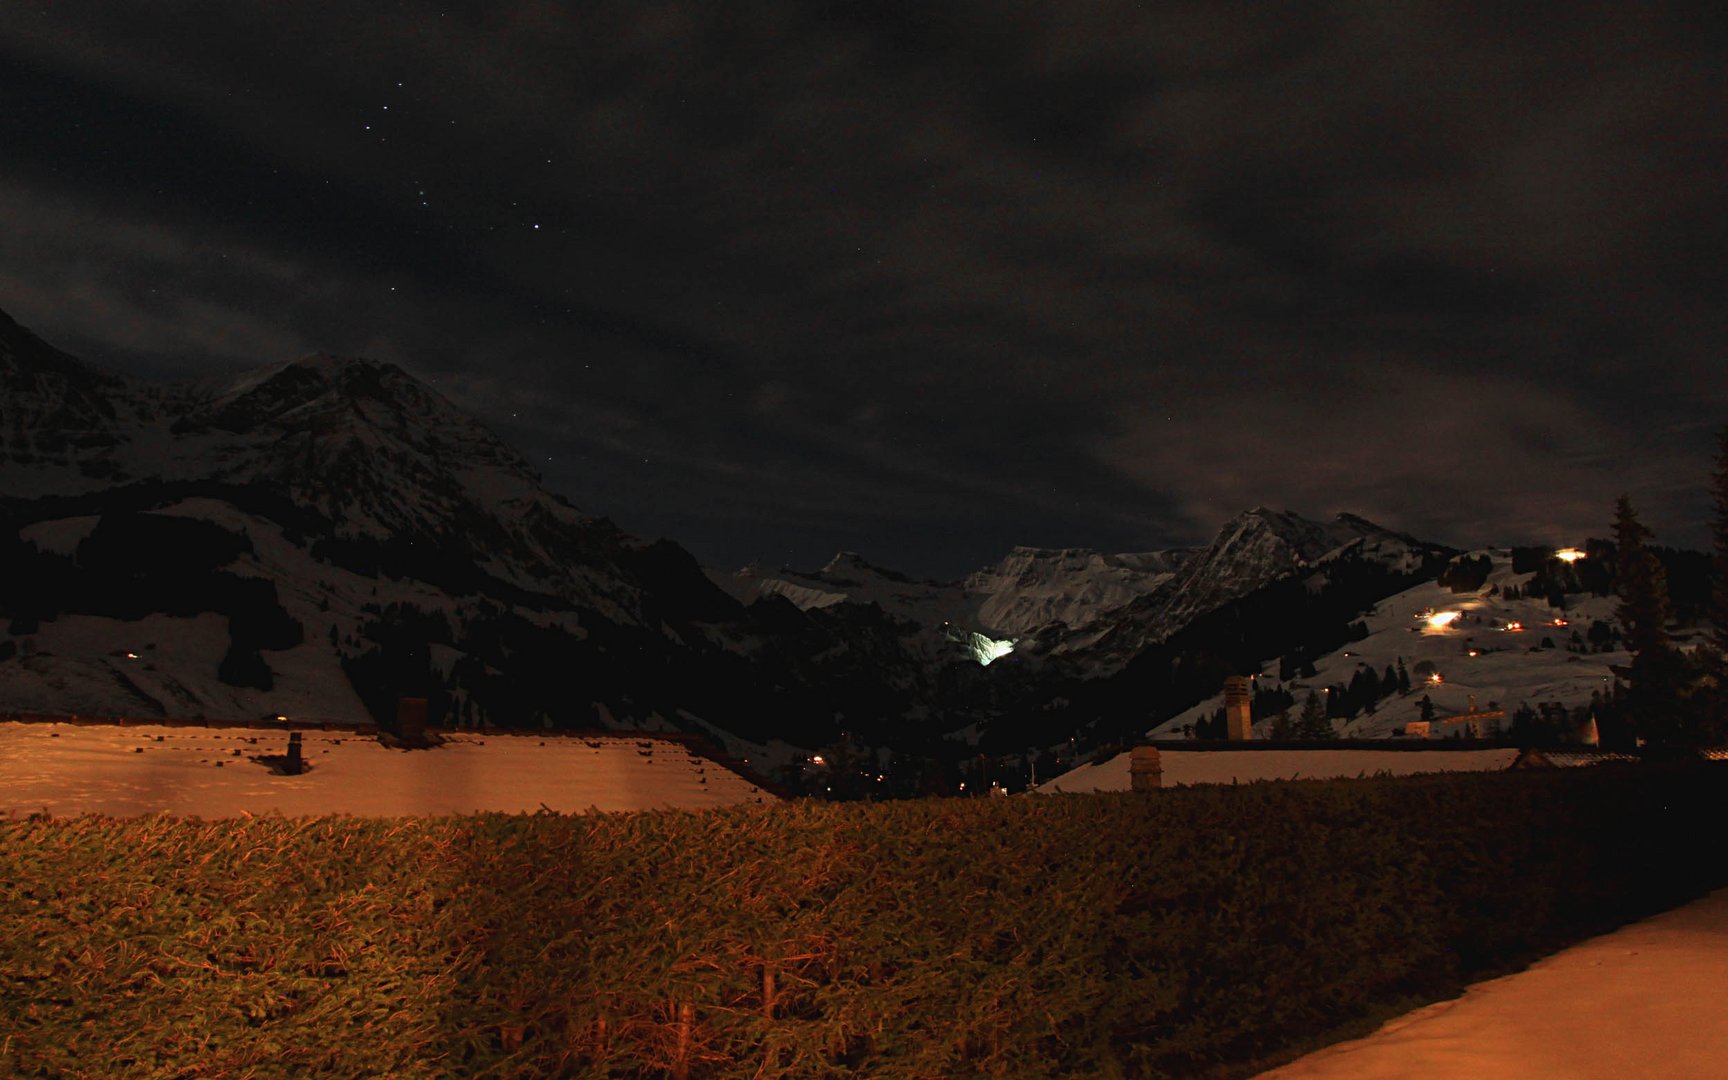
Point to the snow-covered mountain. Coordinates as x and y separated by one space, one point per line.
379 458
1250 552
1101 608
315 535
319 537
1070 587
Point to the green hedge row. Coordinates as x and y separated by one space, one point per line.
1194 931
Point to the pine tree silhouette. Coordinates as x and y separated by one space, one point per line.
1653 677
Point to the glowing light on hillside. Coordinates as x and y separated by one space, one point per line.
1568 554
985 649
1435 678
818 759
1440 620
1514 627
131 656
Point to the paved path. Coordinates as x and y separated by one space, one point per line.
1648 1000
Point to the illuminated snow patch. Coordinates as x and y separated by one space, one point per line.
985 649
1568 554
1442 619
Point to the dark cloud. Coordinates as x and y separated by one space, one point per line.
925 280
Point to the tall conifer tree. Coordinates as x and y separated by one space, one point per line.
1653 678
1313 724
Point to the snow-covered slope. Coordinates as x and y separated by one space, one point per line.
1485 649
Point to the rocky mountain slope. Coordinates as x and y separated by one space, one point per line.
336 515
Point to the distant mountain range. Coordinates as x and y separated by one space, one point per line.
323 536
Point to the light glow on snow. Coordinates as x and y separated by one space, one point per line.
1568 554
986 649
1440 620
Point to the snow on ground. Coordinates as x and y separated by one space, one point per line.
166 665
1510 667
60 537
1184 767
70 769
1645 1000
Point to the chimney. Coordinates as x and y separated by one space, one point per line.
411 719
1145 772
1238 711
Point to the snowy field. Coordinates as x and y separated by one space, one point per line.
1184 767
70 769
1645 1000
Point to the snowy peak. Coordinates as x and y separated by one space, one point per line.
276 394
381 458
1287 540
848 578
851 568
1249 552
324 395
1280 536
27 360
55 413
1035 587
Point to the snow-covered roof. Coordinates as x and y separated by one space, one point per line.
1571 758
69 769
1221 766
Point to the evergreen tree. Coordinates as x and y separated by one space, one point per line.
1640 582
1313 724
1403 677
1653 678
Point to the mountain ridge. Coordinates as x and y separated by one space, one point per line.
329 533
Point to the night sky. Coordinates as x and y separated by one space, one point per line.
925 280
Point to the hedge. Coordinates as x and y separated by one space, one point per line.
1201 931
